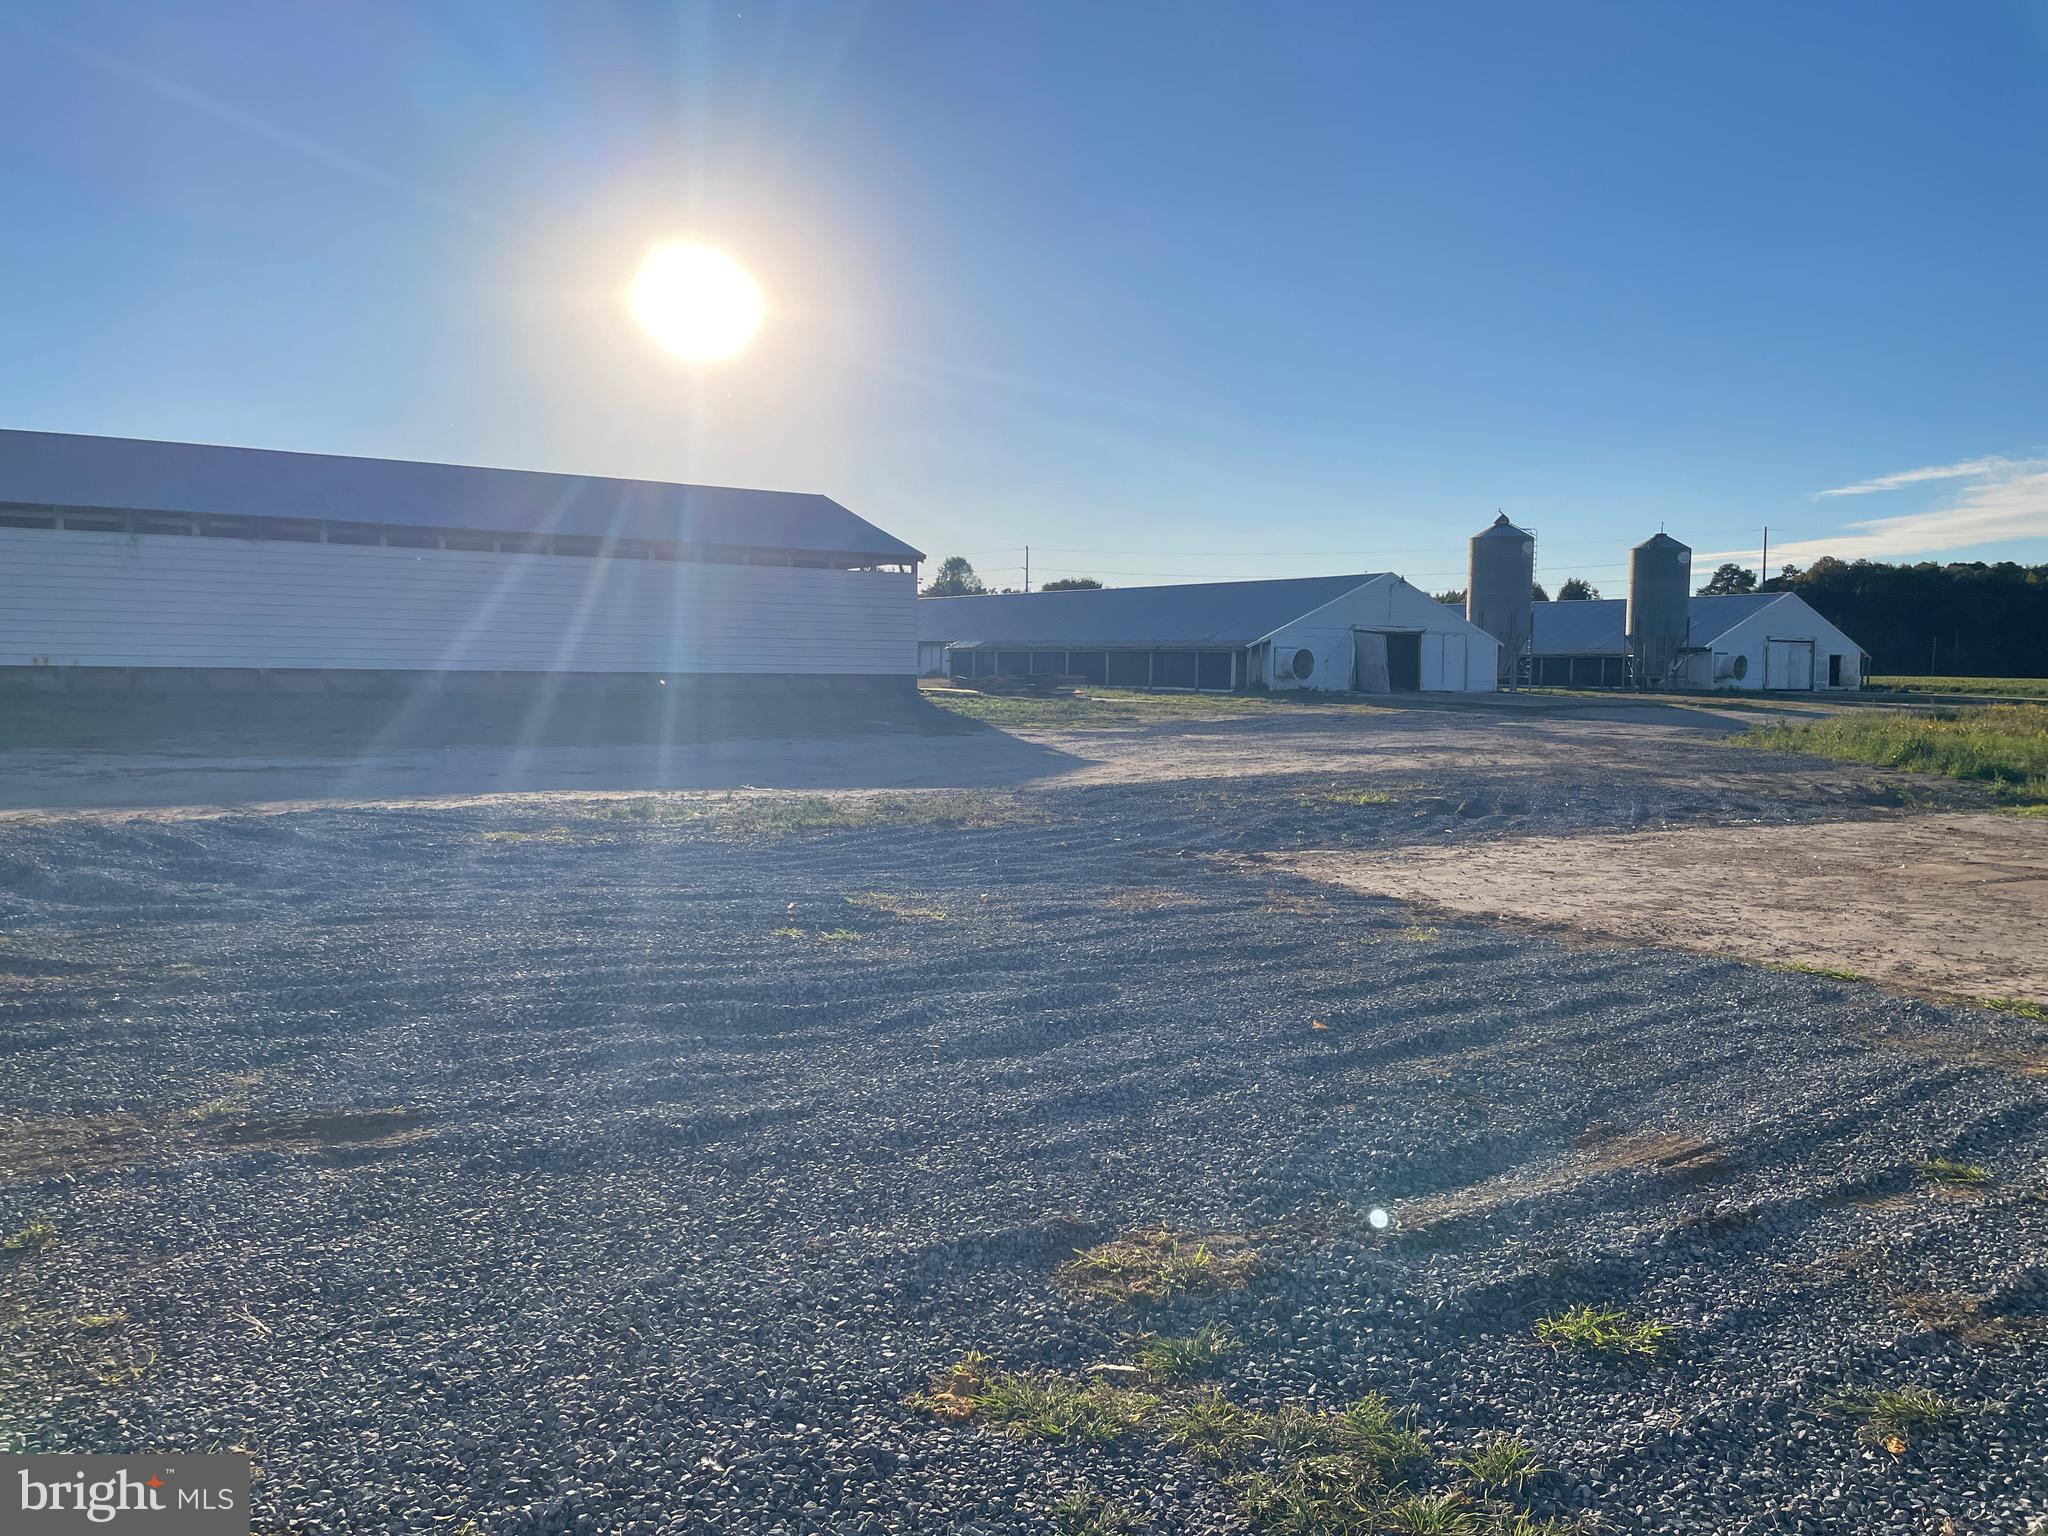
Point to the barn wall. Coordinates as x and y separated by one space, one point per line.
76 599
1391 603
1787 620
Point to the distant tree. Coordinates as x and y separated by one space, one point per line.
1965 619
1576 590
955 578
1536 592
1073 584
1455 597
1728 579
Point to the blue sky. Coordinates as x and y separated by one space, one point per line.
1167 291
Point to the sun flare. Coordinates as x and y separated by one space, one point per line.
697 302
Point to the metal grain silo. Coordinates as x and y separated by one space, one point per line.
1659 594
1498 586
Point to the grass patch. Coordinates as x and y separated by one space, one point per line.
1176 1358
771 816
1499 1462
1891 1418
840 935
1826 972
1997 687
1086 1513
1431 1514
97 1322
33 1238
1950 1170
2003 745
2019 1007
513 835
1099 709
1415 933
1211 1428
906 905
1155 1266
1358 797
1603 1330
1033 1405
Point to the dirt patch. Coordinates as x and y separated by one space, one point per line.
1953 904
51 1147
1676 1158
325 1131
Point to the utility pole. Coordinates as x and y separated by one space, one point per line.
1027 567
1763 569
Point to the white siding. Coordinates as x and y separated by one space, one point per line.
121 600
1791 617
1386 602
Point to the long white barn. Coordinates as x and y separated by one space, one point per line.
126 558
1747 640
1373 633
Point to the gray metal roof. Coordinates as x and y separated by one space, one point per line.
1220 614
1597 627
132 474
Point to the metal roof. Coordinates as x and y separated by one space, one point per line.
131 474
1597 626
1220 614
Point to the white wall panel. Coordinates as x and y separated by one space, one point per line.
121 600
1390 603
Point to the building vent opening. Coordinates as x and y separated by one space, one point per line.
1304 663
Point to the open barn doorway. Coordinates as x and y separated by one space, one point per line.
1386 660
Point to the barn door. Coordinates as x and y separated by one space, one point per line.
1369 662
1452 678
1788 664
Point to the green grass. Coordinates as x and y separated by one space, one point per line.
2003 745
1603 1330
33 1238
1891 1418
1034 1405
2020 1007
97 1322
1086 1513
1176 1358
1100 709
1949 1170
908 905
1358 797
1155 1266
1430 1514
1212 1428
1999 687
1499 1462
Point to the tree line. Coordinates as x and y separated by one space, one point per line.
955 577
1963 619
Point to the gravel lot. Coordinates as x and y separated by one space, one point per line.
621 1165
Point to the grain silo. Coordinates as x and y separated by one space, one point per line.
1659 587
1499 587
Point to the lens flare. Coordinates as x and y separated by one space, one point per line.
697 302
1378 1218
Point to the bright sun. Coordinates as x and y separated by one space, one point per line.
697 302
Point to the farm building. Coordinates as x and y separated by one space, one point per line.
1374 633
1752 640
126 561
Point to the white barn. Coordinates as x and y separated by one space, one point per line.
1750 641
1371 633
125 561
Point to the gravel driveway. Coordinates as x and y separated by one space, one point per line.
573 1165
